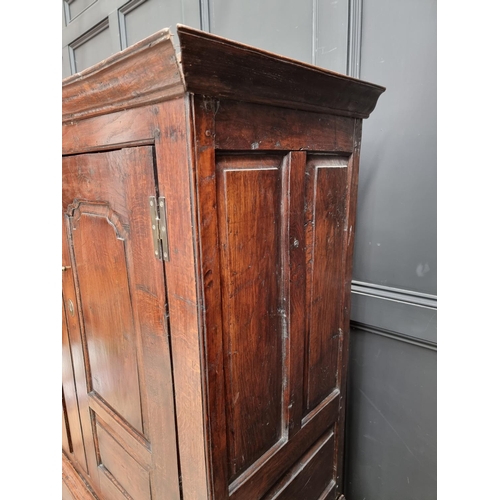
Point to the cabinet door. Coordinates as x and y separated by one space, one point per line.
118 325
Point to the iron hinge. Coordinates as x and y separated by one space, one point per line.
157 211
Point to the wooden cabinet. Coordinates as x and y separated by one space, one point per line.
208 224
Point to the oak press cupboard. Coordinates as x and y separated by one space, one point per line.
208 214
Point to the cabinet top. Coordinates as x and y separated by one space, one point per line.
150 71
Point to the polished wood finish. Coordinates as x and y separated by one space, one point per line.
221 372
125 393
73 486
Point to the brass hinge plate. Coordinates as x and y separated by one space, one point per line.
158 213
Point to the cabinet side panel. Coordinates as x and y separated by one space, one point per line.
325 222
310 476
249 226
274 292
126 471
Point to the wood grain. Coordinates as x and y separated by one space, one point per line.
217 67
266 208
326 224
256 485
208 245
111 131
353 179
247 127
176 183
149 72
249 228
125 380
295 286
74 487
78 354
131 476
107 313
310 476
144 73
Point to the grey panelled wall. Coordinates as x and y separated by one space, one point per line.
313 31
392 388
392 438
397 181
96 29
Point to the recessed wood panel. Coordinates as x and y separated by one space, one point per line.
310 476
264 128
110 489
250 203
326 189
107 313
122 466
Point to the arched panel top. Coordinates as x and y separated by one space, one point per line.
78 208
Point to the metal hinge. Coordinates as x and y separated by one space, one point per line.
157 211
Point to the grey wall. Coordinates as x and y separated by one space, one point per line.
396 244
392 386
392 425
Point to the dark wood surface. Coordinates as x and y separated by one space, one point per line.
352 196
254 127
175 182
209 288
249 201
310 476
217 67
111 131
274 297
221 372
125 386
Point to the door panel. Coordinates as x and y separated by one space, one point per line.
121 465
311 476
104 282
119 334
